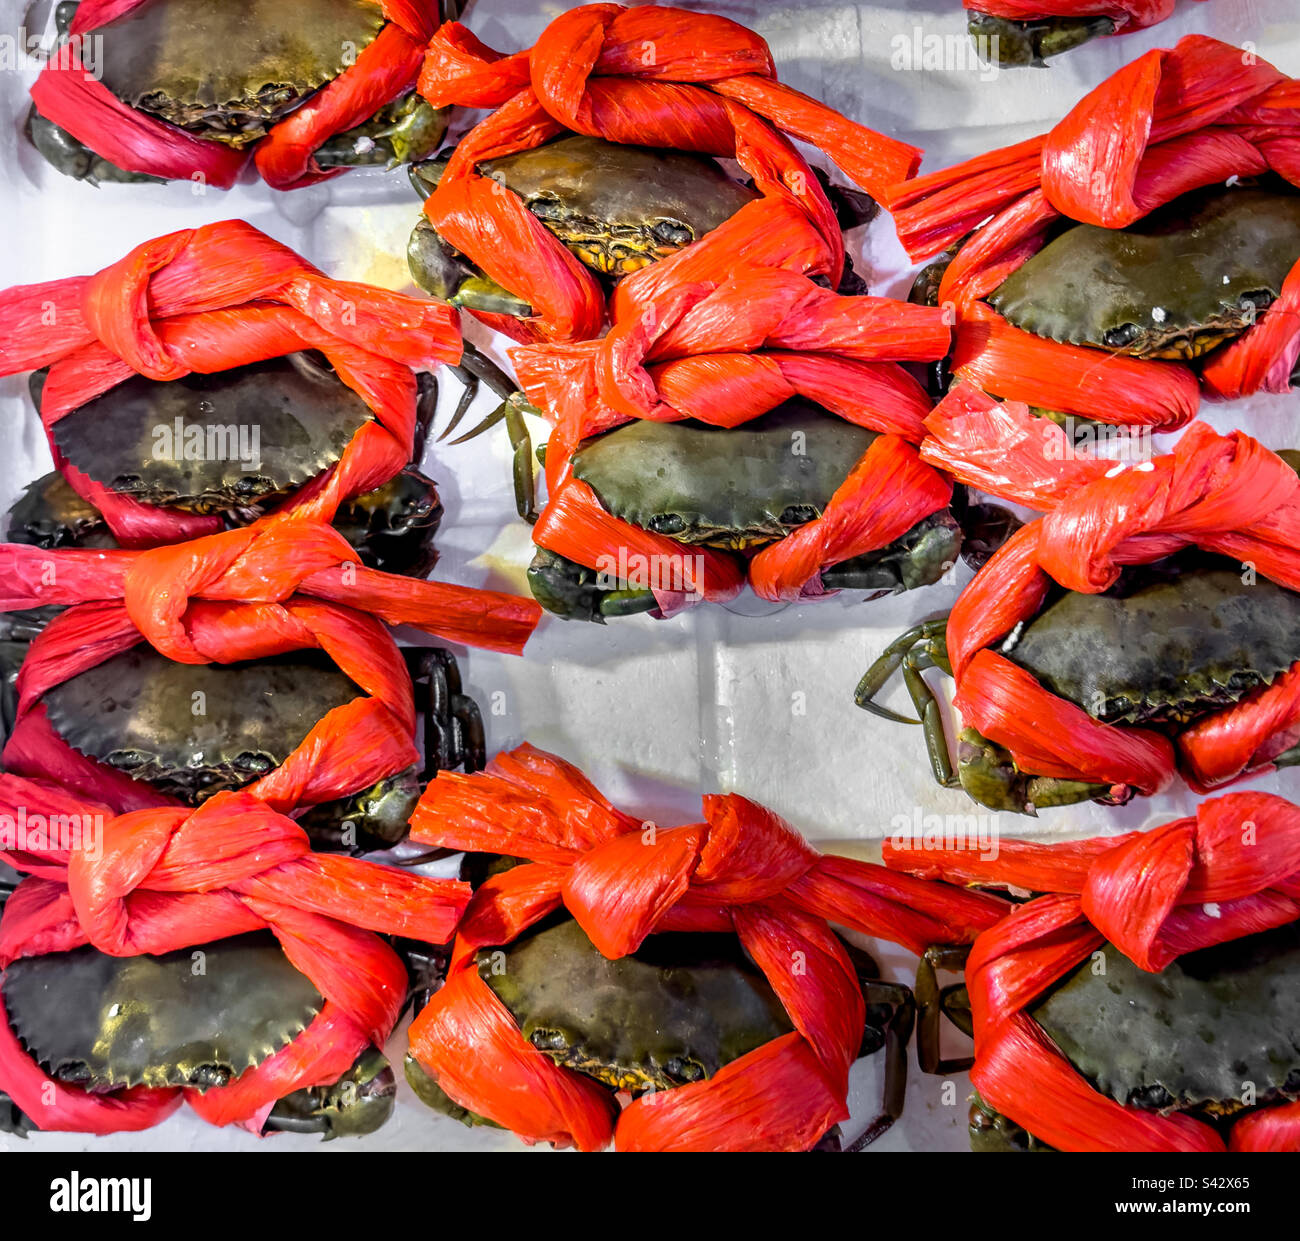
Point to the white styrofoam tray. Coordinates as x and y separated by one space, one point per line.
752 698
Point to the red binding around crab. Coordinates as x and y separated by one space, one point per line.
172 878
724 349
1226 494
283 584
1170 122
742 870
656 76
74 98
1232 870
209 299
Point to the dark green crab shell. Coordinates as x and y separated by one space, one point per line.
1167 651
230 71
191 730
195 1018
181 1019
391 527
724 487
247 436
619 207
616 207
1215 1032
1174 285
674 1012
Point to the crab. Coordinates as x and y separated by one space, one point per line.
1142 998
617 208
1139 630
1173 642
674 1012
1233 1022
136 712
1151 223
392 527
737 489
229 75
1177 284
109 1023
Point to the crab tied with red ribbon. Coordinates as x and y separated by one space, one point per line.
1136 1004
645 77
208 305
249 1029
182 89
751 412
1142 251
629 886
1142 626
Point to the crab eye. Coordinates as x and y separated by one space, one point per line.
667 523
1260 299
798 515
256 763
672 233
1118 337
545 208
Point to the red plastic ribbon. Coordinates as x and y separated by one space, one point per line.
744 870
1232 870
75 100
723 351
655 76
209 299
281 585
167 879
1126 14
1169 122
1224 493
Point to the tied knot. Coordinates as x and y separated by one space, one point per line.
1237 863
621 889
608 40
1209 485
229 840
260 564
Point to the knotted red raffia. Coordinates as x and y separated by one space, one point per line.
280 585
1126 14
651 76
167 879
1170 122
77 101
1224 493
208 299
744 870
724 351
1231 871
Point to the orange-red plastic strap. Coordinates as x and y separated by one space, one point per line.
743 868
1231 871
166 879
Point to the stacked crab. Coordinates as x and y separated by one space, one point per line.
208 720
1141 255
202 681
206 714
